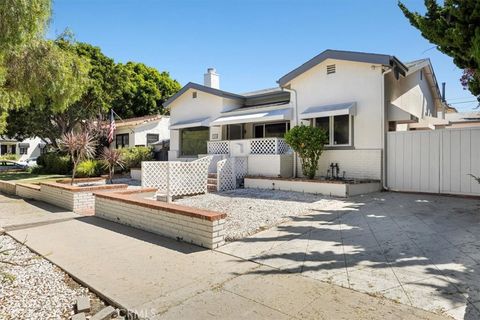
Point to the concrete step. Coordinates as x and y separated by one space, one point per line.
212 181
211 187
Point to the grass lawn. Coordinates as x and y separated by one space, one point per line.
25 177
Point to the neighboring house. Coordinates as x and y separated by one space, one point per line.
141 131
356 97
26 149
463 119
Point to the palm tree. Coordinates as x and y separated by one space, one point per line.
112 158
80 146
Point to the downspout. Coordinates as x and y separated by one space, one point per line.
295 110
384 131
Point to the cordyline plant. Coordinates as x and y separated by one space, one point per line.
112 158
308 143
80 146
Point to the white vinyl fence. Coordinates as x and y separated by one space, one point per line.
176 178
438 161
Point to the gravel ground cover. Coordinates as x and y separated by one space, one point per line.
36 289
252 210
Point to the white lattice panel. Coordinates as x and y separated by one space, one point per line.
154 174
263 146
218 147
283 147
175 178
225 175
241 167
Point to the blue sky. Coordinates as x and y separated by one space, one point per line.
251 43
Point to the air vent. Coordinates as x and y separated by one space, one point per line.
330 69
194 94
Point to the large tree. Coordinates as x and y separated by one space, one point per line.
143 91
34 70
50 123
454 28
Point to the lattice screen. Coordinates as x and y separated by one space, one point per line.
175 178
218 147
229 170
283 147
263 146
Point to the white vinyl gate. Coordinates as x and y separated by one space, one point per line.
437 161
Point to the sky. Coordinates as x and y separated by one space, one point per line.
251 43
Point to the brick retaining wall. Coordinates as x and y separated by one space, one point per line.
200 227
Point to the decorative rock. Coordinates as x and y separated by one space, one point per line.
79 316
104 314
83 304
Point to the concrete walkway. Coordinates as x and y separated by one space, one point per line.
419 250
161 278
16 212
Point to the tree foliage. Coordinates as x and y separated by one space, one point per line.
308 142
80 146
143 90
22 21
454 28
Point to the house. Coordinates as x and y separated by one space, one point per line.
25 149
141 131
463 119
356 97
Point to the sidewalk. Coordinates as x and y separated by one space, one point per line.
161 278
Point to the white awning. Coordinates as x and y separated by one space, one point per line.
268 115
329 110
204 122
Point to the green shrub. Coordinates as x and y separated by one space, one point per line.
35 169
133 157
86 169
10 156
308 142
55 163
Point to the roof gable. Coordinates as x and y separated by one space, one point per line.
375 58
199 87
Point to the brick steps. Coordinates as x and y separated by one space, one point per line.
212 182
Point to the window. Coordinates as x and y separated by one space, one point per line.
324 123
271 130
234 131
152 138
121 140
338 129
331 69
193 141
23 150
194 95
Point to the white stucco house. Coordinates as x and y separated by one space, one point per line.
357 97
141 131
25 149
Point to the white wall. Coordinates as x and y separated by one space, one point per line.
33 150
154 127
412 94
352 82
185 108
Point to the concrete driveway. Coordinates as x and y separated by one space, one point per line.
420 250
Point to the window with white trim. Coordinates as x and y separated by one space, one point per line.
338 129
23 150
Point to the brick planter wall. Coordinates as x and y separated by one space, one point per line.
29 191
8 187
74 198
200 227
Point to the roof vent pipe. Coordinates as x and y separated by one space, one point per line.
211 78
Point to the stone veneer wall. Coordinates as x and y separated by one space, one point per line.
200 227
